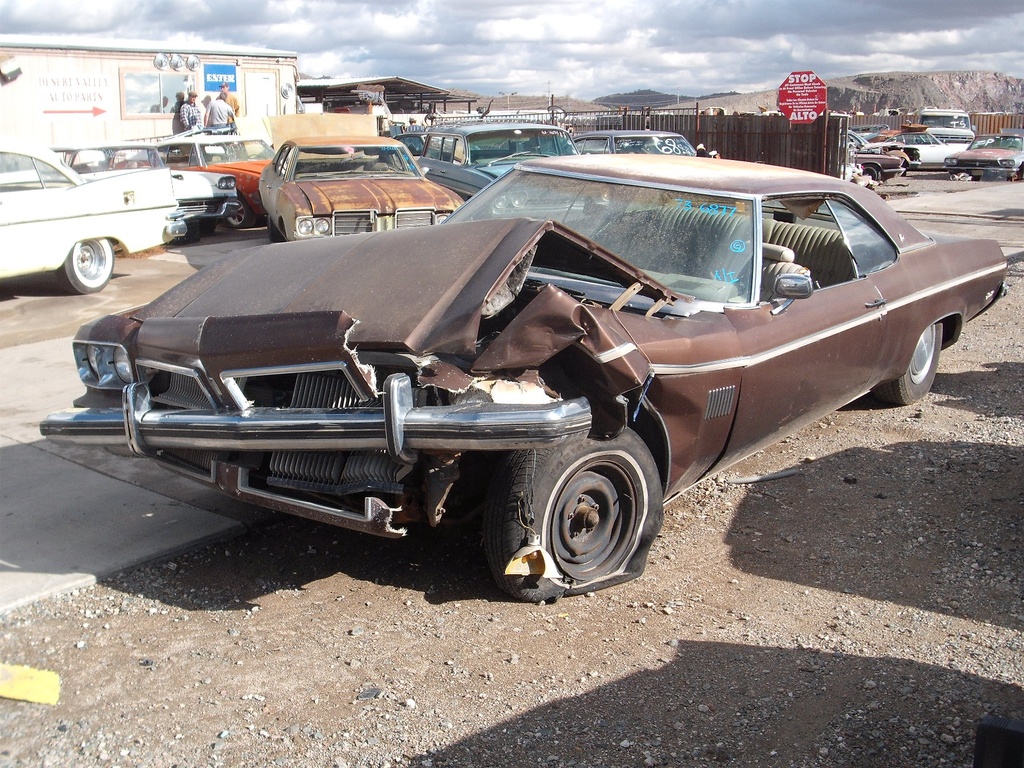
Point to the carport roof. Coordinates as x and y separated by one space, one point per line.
393 86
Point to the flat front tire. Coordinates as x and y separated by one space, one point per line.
917 380
89 266
594 507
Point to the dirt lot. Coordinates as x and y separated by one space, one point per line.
865 611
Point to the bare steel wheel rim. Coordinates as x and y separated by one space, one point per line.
921 362
90 262
593 523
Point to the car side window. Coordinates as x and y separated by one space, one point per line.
281 163
448 149
593 146
459 152
807 227
871 250
433 148
17 174
51 177
177 156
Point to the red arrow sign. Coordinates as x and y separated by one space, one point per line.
95 111
803 96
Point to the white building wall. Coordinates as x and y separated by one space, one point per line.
84 95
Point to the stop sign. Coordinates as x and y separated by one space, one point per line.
803 96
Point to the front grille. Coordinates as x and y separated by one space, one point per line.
178 390
414 218
291 472
336 473
195 462
192 208
326 390
354 222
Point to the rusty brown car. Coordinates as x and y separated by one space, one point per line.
323 187
584 339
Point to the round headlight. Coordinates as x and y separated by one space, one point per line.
322 226
123 365
304 227
96 360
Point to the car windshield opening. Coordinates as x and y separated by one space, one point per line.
518 142
348 160
697 244
236 151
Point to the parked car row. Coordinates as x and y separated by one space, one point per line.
343 185
583 339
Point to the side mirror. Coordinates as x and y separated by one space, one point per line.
793 286
790 287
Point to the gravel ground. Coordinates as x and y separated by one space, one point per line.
867 610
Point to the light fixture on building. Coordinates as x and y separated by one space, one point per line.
192 62
160 61
9 69
177 62
287 91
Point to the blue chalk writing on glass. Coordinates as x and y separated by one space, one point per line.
726 276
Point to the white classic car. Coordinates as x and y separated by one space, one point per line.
204 199
53 220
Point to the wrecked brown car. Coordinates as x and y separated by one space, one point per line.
585 338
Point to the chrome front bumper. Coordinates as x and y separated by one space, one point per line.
174 229
399 427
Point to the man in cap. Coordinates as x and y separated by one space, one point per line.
231 99
191 113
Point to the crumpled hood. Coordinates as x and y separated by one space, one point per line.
420 290
381 194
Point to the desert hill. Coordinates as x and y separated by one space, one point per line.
870 93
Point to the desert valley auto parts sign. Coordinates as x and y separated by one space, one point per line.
803 96
70 95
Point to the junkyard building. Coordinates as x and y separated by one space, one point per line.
79 91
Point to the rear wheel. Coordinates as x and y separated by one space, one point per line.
89 266
593 507
920 374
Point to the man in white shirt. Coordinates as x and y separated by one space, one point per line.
219 113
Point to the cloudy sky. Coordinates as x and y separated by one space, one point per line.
573 48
